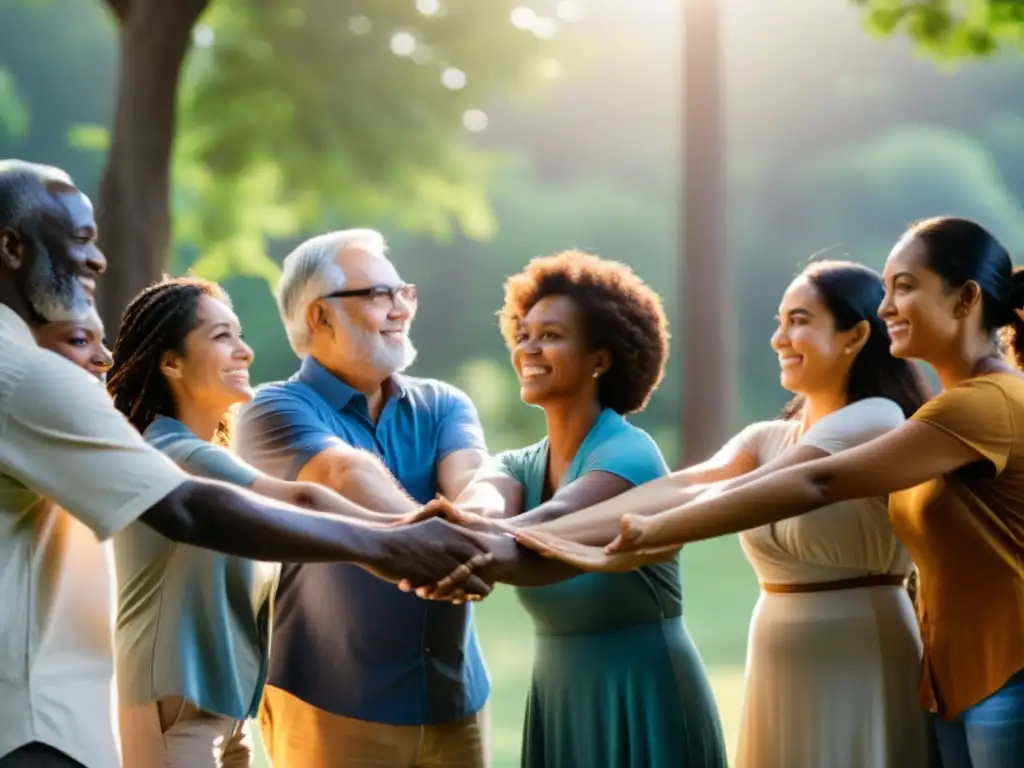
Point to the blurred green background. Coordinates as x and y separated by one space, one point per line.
315 115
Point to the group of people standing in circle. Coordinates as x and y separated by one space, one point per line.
865 477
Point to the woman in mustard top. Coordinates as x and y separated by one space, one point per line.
954 473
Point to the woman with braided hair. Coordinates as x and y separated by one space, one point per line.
193 626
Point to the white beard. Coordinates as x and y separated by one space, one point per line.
386 358
55 297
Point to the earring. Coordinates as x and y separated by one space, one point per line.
596 374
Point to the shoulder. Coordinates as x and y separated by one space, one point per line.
520 462
289 392
433 394
281 400
984 400
872 413
854 424
519 455
986 408
998 385
623 434
982 413
42 382
627 450
172 438
197 456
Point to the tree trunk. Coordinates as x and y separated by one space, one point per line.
134 202
706 296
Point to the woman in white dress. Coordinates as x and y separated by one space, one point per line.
834 651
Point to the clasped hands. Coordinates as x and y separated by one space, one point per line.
501 540
496 537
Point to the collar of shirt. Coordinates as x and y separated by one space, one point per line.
14 327
335 391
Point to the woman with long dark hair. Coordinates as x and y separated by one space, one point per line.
834 647
193 626
955 479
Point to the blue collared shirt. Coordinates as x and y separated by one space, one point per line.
345 641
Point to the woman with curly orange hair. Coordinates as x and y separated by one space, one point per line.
617 681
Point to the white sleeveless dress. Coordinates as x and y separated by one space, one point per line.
832 676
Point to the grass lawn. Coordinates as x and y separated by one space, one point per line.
720 591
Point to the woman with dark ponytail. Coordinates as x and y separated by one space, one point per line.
954 474
193 626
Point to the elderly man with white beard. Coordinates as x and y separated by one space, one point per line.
362 673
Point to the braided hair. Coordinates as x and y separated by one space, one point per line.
154 323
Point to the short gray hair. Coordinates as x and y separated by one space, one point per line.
23 193
309 273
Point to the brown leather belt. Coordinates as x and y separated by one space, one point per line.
873 580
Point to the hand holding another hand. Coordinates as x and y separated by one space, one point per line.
445 509
422 553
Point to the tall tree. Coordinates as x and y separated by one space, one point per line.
287 115
709 350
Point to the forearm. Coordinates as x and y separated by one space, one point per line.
236 522
529 569
784 494
362 479
320 499
485 500
599 524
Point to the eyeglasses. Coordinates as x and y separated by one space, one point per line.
379 293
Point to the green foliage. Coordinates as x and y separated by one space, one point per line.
15 119
299 116
90 138
950 29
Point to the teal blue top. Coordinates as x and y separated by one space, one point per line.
617 681
191 622
615 446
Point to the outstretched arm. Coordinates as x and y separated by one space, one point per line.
905 457
530 569
318 498
599 524
592 514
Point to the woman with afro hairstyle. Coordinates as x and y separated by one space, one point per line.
617 681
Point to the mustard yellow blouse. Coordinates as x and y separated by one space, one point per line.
965 532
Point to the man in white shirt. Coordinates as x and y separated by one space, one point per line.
63 446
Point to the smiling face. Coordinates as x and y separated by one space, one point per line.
919 311
55 268
80 342
213 371
366 335
814 358
550 353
